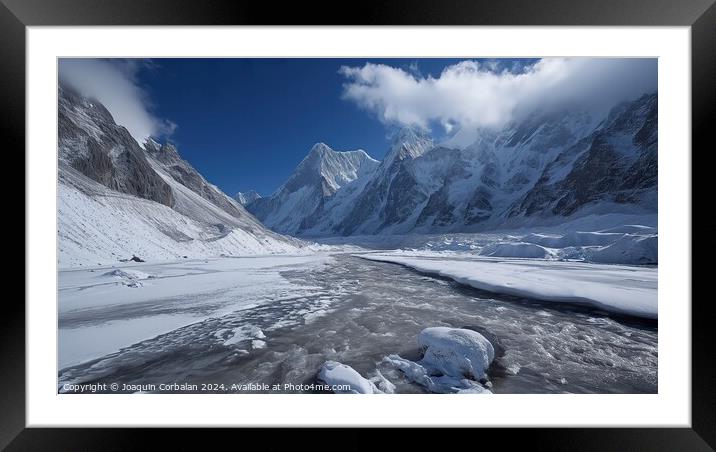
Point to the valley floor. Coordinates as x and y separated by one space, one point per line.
278 319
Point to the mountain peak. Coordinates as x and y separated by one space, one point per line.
408 134
320 149
247 197
319 175
333 167
150 145
408 143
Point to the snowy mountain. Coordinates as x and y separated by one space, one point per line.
165 160
90 142
617 163
299 202
118 200
543 168
389 196
246 198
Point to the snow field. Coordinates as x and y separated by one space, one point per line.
619 289
98 313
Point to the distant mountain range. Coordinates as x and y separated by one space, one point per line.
542 169
120 199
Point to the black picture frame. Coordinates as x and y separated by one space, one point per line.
700 15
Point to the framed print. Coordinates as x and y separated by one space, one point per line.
425 216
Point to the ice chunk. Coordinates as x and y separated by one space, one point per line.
454 360
383 383
244 333
129 278
515 249
439 384
128 274
133 284
630 249
414 372
456 351
337 374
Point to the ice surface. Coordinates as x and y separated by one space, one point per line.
619 289
631 229
585 239
628 249
573 238
93 340
537 344
97 318
638 246
335 373
515 249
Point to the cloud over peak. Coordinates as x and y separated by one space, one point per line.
114 83
472 94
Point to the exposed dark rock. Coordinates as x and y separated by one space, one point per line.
91 142
605 167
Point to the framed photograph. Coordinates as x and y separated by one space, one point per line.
419 215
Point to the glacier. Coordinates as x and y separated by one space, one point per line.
524 261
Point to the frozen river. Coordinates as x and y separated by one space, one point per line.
284 318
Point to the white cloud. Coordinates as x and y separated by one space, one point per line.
114 84
471 95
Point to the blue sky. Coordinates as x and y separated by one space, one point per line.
246 123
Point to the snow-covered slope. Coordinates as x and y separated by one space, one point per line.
389 196
296 205
183 178
617 163
547 168
247 197
117 200
99 225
